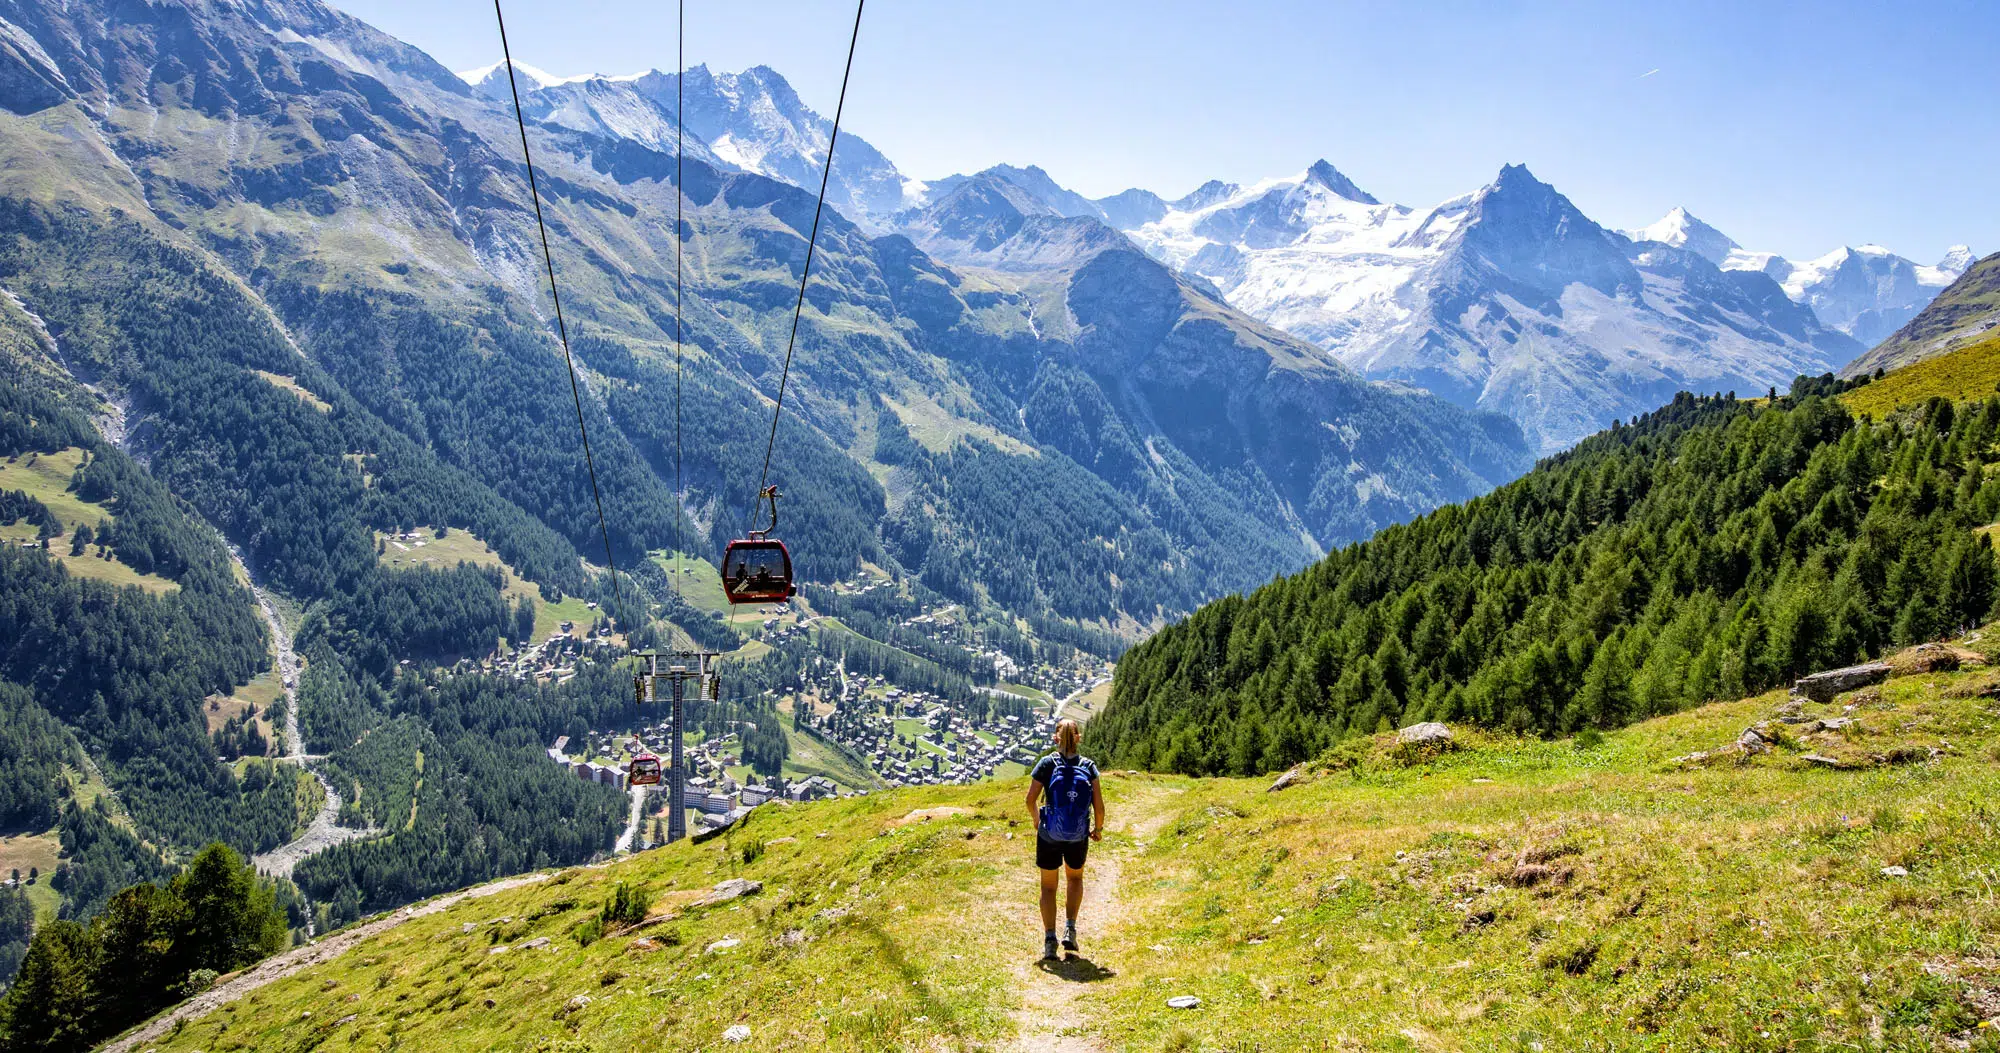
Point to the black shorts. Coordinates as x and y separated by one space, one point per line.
1050 855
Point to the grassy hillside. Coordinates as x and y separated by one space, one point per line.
1972 371
427 550
49 478
1602 892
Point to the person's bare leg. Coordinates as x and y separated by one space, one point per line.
1049 900
1074 898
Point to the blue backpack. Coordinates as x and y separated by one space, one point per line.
1066 816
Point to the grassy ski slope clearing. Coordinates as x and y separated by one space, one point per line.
1832 891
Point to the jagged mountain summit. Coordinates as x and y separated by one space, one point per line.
1508 299
1320 257
1683 231
1866 292
750 121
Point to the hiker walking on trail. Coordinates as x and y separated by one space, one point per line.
1065 825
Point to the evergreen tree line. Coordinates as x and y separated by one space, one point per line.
302 488
452 768
952 655
831 505
1713 549
877 613
1031 533
100 856
485 394
709 631
867 658
151 946
239 737
18 505
753 719
34 749
128 672
17 928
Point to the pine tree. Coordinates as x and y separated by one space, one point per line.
136 940
51 1005
231 917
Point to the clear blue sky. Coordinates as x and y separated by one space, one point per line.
1793 127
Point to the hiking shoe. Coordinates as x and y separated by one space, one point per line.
1049 952
1069 938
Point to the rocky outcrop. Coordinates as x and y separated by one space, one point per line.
1428 733
1822 687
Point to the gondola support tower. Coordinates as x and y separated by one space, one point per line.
675 670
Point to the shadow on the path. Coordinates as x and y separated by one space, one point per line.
1076 969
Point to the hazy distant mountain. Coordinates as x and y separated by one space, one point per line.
1373 283
1683 231
1967 310
1507 299
1865 292
750 121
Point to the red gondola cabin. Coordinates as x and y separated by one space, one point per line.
757 570
645 770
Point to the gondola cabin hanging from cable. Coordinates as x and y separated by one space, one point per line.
758 568
644 770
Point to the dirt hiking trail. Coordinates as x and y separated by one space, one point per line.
1052 1017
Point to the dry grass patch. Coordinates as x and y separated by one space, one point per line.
292 385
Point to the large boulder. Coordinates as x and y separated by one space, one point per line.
733 888
1821 687
1428 733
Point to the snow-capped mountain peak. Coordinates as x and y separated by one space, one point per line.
1865 290
495 76
753 121
1507 298
1957 260
1682 230
1325 175
1205 195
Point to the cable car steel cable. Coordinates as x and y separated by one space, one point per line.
680 296
752 565
562 329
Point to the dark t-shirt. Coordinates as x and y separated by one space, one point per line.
1045 769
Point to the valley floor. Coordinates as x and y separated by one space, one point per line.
1835 891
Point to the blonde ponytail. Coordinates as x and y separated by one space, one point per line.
1068 735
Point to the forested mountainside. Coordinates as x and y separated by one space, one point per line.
1710 550
1968 310
378 212
271 285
